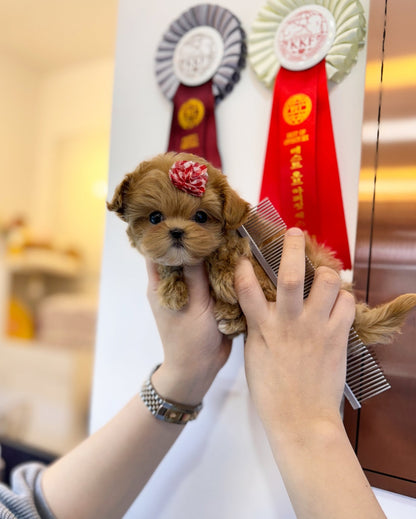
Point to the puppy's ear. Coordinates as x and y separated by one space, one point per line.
235 209
117 204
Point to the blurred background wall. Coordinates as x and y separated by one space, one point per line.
56 82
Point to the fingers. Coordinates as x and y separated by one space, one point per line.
249 293
291 276
324 292
327 301
152 275
343 312
196 279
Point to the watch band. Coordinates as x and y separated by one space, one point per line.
165 410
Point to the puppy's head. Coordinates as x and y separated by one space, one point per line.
171 226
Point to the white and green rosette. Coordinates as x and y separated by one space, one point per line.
346 16
206 41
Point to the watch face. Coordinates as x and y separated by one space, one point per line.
304 37
175 416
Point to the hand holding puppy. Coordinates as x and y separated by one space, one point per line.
194 348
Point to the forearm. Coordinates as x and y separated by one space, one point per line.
321 473
103 475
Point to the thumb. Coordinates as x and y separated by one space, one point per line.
250 294
196 278
153 277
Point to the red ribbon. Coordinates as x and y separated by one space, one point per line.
190 177
301 176
193 126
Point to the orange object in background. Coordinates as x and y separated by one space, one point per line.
20 321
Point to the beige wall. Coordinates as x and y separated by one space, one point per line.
54 137
19 94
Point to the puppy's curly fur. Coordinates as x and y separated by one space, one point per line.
174 228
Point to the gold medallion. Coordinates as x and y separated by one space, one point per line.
191 113
297 109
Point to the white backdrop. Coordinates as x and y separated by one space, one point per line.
221 466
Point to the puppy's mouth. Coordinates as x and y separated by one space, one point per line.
177 254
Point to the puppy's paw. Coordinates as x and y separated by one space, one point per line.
230 319
232 327
223 288
229 295
173 296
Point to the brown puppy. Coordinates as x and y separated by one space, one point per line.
180 210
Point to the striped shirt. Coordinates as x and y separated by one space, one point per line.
24 499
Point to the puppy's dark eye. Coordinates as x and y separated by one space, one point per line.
200 217
156 217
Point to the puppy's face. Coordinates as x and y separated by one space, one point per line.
170 226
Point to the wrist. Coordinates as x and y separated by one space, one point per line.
306 432
181 385
165 409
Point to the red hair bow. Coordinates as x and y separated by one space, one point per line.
189 176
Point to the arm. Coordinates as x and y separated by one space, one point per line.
295 358
103 475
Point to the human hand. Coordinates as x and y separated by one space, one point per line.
194 349
295 353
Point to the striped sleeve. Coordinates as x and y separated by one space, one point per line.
24 500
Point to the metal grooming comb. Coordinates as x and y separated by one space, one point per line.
265 231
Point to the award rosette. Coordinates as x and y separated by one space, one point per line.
299 46
198 61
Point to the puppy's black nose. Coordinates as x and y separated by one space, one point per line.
177 234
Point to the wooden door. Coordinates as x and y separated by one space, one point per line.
383 432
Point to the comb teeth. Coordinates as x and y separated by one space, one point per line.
265 231
264 222
364 375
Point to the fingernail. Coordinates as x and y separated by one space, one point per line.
294 231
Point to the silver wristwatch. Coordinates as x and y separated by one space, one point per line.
166 410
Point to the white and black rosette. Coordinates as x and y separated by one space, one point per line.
205 42
349 36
